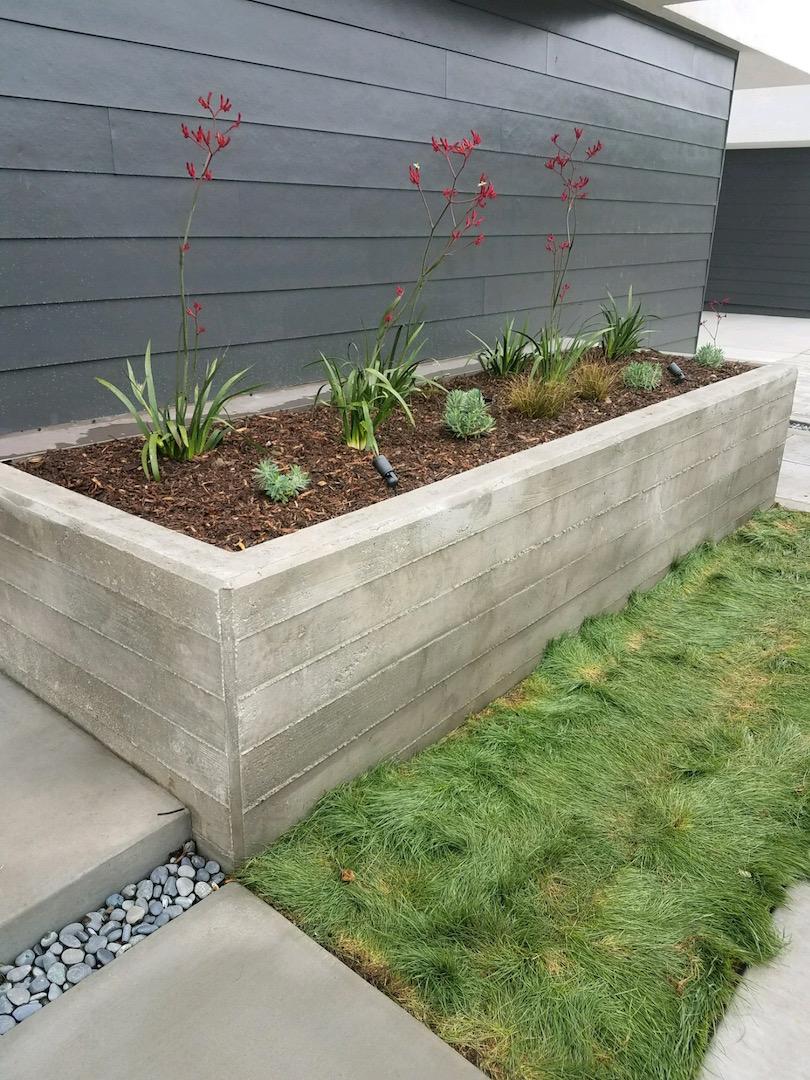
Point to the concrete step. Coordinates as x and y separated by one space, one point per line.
229 989
76 822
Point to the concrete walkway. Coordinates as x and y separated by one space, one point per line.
229 989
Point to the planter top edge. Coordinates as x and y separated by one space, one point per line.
198 559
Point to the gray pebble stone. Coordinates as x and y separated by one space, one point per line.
49 939
127 904
197 861
113 947
185 861
135 914
39 984
83 936
19 995
124 948
93 921
27 957
160 875
186 872
145 890
184 902
57 948
126 934
38 950
5 969
78 972
118 915
104 957
70 941
94 944
17 974
145 929
170 888
39 997
128 892
72 956
114 934
114 900
26 1010
5 987
6 1024
57 973
71 928
174 911
203 875
48 960
185 887
172 868
6 1008
212 867
54 992
90 961
162 919
155 907
217 879
203 889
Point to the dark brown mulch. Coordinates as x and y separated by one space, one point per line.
212 498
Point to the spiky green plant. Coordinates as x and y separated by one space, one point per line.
570 885
623 332
466 414
279 486
510 354
642 375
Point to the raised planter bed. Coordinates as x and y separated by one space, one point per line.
250 682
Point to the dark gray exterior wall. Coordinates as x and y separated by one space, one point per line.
311 221
761 253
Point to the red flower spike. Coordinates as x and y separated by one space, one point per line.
448 193
478 239
399 290
189 312
186 132
455 234
185 247
414 175
192 172
207 175
578 133
594 149
564 196
200 329
388 317
197 307
550 163
554 137
435 143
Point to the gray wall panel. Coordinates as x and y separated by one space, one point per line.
761 253
312 221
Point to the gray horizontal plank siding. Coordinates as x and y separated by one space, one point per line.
761 254
311 221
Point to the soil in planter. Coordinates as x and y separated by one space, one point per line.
213 497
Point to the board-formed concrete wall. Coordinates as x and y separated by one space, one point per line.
311 222
249 683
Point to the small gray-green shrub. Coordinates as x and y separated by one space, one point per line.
278 485
710 356
466 414
642 375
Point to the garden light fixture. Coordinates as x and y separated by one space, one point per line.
676 372
383 467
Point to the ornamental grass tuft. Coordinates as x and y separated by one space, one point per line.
540 399
571 884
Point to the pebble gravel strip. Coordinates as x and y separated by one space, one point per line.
61 959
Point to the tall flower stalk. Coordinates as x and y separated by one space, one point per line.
367 393
170 431
575 189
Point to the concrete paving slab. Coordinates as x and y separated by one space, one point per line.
229 989
76 822
765 1035
793 487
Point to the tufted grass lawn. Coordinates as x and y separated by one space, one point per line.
569 886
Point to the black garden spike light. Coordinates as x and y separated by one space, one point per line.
676 372
383 467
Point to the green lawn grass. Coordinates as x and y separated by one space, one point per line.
570 885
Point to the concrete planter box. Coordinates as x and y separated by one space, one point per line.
249 683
